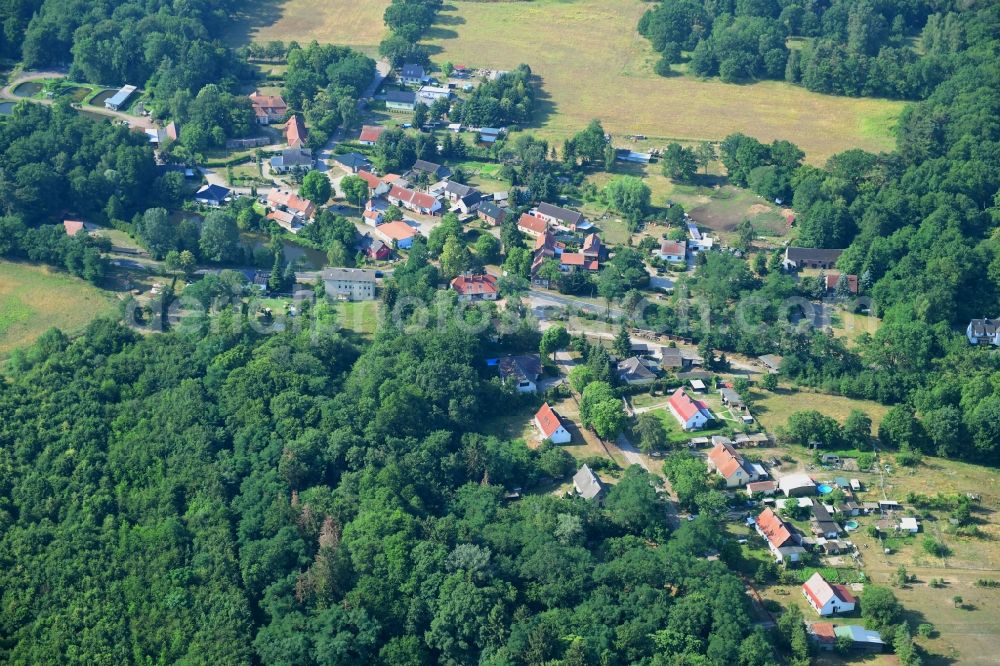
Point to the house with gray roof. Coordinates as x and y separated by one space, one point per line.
588 485
634 372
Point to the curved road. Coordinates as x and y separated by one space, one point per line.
7 93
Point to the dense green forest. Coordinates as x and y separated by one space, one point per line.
292 499
883 48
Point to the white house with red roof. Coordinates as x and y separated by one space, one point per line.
418 202
532 226
267 109
471 287
574 261
826 598
781 539
727 463
673 251
397 232
691 414
548 422
370 134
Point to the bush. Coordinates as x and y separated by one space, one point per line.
934 547
926 630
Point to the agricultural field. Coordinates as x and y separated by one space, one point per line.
35 298
357 24
612 79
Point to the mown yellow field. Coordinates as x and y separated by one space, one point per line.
36 298
356 23
592 63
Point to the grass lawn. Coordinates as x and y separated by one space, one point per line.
358 316
773 409
342 22
849 325
612 78
36 298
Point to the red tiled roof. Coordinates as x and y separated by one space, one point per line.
533 224
726 459
412 197
592 244
73 227
591 265
295 131
291 201
773 528
824 632
371 214
469 285
370 178
684 405
547 420
762 486
545 242
397 230
572 259
833 278
676 248
264 104
820 591
371 133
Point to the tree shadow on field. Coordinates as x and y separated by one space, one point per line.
252 14
449 19
545 107
440 33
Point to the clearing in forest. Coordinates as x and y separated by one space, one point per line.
592 63
33 299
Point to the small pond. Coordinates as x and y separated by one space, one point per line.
99 98
303 258
28 89
6 108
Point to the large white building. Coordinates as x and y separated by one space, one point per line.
349 284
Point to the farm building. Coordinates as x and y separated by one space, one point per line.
118 100
570 219
797 258
795 485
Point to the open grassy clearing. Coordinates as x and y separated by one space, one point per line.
35 298
360 316
343 22
592 63
773 409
